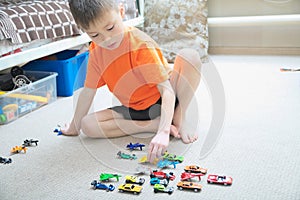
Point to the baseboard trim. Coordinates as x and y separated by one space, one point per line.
254 50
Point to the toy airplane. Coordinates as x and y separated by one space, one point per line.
131 146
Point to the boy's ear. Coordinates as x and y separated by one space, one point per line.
122 10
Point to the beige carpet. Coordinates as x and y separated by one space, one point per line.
258 144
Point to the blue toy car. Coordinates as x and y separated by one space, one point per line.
166 163
98 185
131 146
155 180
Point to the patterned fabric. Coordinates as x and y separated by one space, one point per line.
177 24
31 20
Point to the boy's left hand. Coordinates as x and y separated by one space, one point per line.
158 146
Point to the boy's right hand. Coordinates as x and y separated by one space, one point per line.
69 130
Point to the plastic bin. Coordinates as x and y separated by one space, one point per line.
18 102
71 69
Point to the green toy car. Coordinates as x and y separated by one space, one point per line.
106 176
172 157
126 156
162 188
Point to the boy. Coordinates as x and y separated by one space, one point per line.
132 66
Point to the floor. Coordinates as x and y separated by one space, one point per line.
246 113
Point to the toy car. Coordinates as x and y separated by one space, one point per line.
18 149
5 160
172 157
140 170
187 176
217 179
135 189
131 146
134 179
144 159
28 143
162 188
126 156
98 185
166 163
189 185
106 176
155 180
195 169
162 175
58 131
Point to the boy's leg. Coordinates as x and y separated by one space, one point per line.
185 80
108 124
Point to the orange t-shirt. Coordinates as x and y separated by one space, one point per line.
131 71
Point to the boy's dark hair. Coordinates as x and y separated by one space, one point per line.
86 12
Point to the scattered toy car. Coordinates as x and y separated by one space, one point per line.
98 185
58 131
188 176
155 180
162 188
189 185
144 159
140 170
5 160
134 146
28 143
217 179
195 169
172 157
135 189
162 175
18 149
126 156
166 163
107 176
134 179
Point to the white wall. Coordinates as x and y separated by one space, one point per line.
280 38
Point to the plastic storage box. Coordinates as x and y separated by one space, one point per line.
71 69
18 102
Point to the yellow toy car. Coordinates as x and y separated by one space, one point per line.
18 149
134 179
135 189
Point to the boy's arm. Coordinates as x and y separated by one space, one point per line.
160 141
84 102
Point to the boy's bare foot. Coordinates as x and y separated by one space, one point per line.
188 139
174 131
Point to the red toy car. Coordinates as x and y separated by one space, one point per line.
187 176
217 179
162 175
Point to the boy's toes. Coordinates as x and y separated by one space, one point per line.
186 139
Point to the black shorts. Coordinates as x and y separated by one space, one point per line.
148 114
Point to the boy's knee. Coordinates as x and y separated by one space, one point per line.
191 56
86 126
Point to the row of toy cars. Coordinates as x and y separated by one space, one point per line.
18 149
132 183
193 171
158 179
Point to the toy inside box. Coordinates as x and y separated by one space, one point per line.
40 91
71 69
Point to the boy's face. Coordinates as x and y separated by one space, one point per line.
107 31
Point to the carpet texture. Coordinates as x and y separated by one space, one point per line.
258 143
